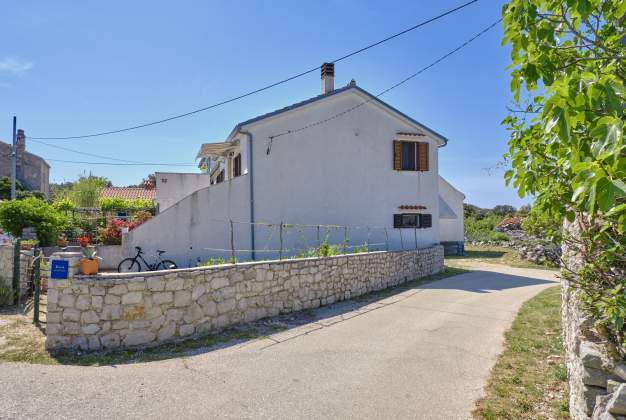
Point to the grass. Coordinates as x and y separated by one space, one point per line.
22 341
529 379
492 255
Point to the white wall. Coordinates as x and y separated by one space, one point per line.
197 222
451 229
340 172
172 187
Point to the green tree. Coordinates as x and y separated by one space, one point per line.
85 192
566 145
5 187
32 212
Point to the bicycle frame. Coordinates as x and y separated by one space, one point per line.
150 267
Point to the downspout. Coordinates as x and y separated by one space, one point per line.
251 178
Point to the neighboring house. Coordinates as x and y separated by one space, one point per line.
171 187
32 171
372 166
128 193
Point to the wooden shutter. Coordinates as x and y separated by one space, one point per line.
397 155
426 219
422 156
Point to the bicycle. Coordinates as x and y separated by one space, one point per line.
134 264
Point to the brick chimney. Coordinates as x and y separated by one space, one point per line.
328 77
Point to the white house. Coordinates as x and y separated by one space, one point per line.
343 158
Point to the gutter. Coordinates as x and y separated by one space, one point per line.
251 178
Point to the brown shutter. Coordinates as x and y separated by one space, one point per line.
422 156
397 155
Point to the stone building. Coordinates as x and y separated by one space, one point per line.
32 170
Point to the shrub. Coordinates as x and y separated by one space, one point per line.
110 204
142 216
541 223
6 293
64 204
498 236
112 233
481 228
32 212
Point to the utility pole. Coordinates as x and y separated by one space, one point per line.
14 159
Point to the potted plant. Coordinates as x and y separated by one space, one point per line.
89 264
62 242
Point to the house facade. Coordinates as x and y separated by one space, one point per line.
367 176
32 170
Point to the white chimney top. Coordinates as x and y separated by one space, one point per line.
328 77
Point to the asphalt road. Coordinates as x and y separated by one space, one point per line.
422 354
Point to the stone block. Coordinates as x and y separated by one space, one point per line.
226 306
53 296
167 331
71 328
118 289
193 313
174 314
112 300
70 314
595 377
110 341
57 342
91 329
119 325
138 337
182 298
153 312
93 342
617 403
53 317
590 355
219 282
97 291
175 284
187 329
67 301
137 285
155 284
83 302
96 302
134 312
197 292
162 297
89 317
132 298
111 312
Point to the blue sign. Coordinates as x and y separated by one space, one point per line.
59 269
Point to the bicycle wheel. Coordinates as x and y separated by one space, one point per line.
166 265
129 265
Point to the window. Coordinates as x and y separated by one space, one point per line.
237 166
412 221
410 156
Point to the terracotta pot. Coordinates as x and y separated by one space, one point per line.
88 267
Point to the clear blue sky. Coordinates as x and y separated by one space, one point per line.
70 68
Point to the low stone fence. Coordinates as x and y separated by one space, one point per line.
597 380
129 309
6 267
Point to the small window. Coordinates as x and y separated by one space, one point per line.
410 156
237 166
412 221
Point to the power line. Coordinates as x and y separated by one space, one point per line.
403 81
224 102
108 157
121 164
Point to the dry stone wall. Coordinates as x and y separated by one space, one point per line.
596 376
130 309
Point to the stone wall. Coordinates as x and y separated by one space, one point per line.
129 309
6 267
597 378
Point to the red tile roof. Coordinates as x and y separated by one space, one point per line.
128 193
411 207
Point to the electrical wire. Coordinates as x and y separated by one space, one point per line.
403 81
107 157
121 164
250 93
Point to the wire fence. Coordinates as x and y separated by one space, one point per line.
230 240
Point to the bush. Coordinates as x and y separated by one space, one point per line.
32 212
498 236
112 233
64 204
6 293
541 223
481 228
110 204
